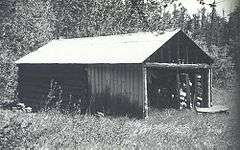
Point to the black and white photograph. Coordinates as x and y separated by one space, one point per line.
119 74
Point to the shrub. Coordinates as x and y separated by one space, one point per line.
54 97
15 135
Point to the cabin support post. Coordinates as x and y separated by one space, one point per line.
145 97
210 87
194 91
189 103
178 87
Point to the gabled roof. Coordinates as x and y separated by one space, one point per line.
125 48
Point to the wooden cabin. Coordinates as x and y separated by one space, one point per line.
147 69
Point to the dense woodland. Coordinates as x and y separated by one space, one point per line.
26 25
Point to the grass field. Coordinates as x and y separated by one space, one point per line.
164 129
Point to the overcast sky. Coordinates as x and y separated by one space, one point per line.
193 6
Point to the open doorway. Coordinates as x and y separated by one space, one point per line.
162 88
175 88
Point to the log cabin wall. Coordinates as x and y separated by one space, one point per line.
82 81
34 82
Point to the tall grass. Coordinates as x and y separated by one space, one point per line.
166 129
105 103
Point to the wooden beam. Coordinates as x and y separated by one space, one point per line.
205 87
145 98
174 65
178 88
188 91
195 91
211 82
209 87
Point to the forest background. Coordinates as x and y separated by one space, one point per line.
27 25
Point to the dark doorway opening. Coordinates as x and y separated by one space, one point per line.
162 88
175 88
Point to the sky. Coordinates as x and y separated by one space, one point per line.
193 6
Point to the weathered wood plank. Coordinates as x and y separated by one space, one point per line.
174 65
188 90
214 109
178 85
145 99
210 88
205 88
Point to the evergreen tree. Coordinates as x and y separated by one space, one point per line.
234 37
27 25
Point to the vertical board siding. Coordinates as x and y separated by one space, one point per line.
180 47
119 79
